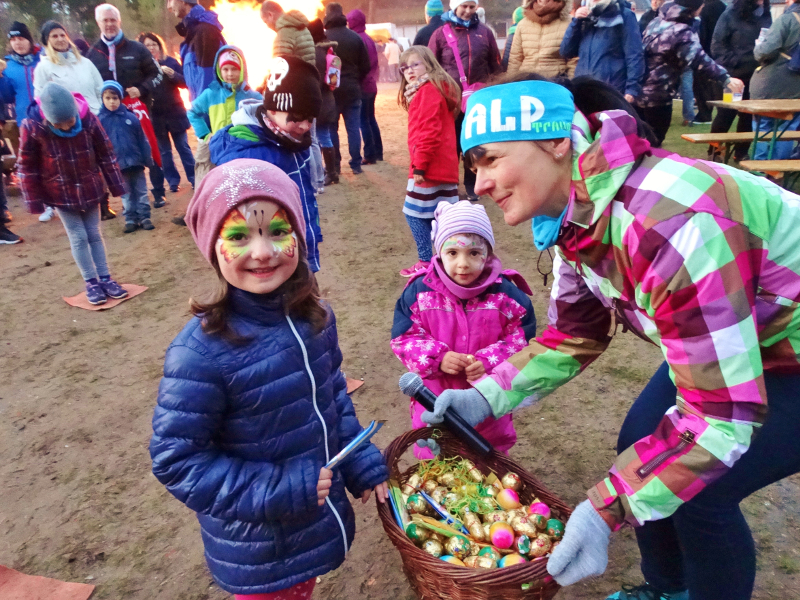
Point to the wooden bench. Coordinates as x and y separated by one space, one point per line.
787 170
724 142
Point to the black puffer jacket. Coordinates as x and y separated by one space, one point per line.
136 67
355 60
735 37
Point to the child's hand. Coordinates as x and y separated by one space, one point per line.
475 371
381 493
324 485
419 179
453 363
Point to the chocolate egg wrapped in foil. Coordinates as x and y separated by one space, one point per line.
523 526
538 521
517 512
540 546
458 546
409 488
496 516
511 481
491 552
416 533
522 545
451 498
473 471
474 549
476 532
447 479
486 562
470 518
438 537
555 529
439 493
471 562
432 547
429 485
417 505
487 527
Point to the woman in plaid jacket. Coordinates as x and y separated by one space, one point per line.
696 257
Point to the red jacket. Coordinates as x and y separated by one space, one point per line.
432 136
65 172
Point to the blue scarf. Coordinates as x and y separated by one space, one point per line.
75 130
26 60
546 229
112 52
450 15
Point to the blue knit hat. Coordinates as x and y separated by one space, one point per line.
512 112
57 103
433 8
114 86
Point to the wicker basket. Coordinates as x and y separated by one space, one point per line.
434 579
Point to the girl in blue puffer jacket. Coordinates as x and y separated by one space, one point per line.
253 402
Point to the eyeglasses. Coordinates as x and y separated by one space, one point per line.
413 66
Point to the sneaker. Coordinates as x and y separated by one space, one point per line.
47 214
179 221
130 228
95 294
420 266
113 290
8 237
159 202
174 189
6 217
473 197
687 123
369 161
321 190
646 592
357 170
701 121
147 225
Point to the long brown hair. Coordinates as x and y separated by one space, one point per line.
437 76
300 293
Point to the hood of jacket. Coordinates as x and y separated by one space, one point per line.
198 15
678 14
561 15
35 112
293 19
606 149
243 84
357 21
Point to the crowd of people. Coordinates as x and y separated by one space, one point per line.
559 128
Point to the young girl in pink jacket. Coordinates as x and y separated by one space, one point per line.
463 315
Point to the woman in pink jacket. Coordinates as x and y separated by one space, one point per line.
463 315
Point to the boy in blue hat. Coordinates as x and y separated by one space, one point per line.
133 155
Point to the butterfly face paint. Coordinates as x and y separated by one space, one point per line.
257 247
464 256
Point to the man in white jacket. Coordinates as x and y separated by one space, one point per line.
62 63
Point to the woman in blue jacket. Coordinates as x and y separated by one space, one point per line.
16 82
607 41
253 402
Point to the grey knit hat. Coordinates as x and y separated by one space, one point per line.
57 103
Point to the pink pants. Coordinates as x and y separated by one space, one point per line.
500 433
301 591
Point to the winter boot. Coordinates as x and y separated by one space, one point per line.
105 210
329 156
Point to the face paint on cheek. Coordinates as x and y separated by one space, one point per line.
233 237
281 229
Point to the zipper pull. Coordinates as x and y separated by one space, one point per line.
687 437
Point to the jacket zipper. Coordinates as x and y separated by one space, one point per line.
686 438
321 420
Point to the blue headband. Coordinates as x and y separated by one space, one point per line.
512 112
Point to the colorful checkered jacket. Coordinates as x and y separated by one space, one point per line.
697 257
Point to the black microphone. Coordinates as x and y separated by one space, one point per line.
411 385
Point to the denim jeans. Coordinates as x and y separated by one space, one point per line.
135 202
181 142
421 232
373 145
783 150
687 95
324 135
706 545
157 181
317 168
352 124
86 241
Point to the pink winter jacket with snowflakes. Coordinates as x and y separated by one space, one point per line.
430 321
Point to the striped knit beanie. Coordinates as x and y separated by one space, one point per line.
461 217
433 8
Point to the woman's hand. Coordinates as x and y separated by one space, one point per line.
381 493
324 485
736 85
453 363
582 12
168 71
419 179
475 371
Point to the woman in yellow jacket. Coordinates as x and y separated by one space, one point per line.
538 38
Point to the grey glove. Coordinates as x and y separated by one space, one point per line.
431 445
584 550
470 404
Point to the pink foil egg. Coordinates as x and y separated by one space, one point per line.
508 499
540 508
501 535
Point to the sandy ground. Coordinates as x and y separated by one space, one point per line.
77 389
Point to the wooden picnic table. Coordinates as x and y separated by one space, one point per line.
777 109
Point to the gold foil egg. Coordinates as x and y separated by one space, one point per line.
538 521
523 526
496 516
439 493
511 481
487 527
476 531
458 546
434 548
471 562
409 487
540 545
486 562
447 479
429 485
417 505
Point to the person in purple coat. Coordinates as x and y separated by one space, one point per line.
373 145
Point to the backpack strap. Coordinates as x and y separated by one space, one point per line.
450 36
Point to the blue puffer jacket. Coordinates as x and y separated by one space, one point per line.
16 84
248 139
240 435
608 45
126 135
202 33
